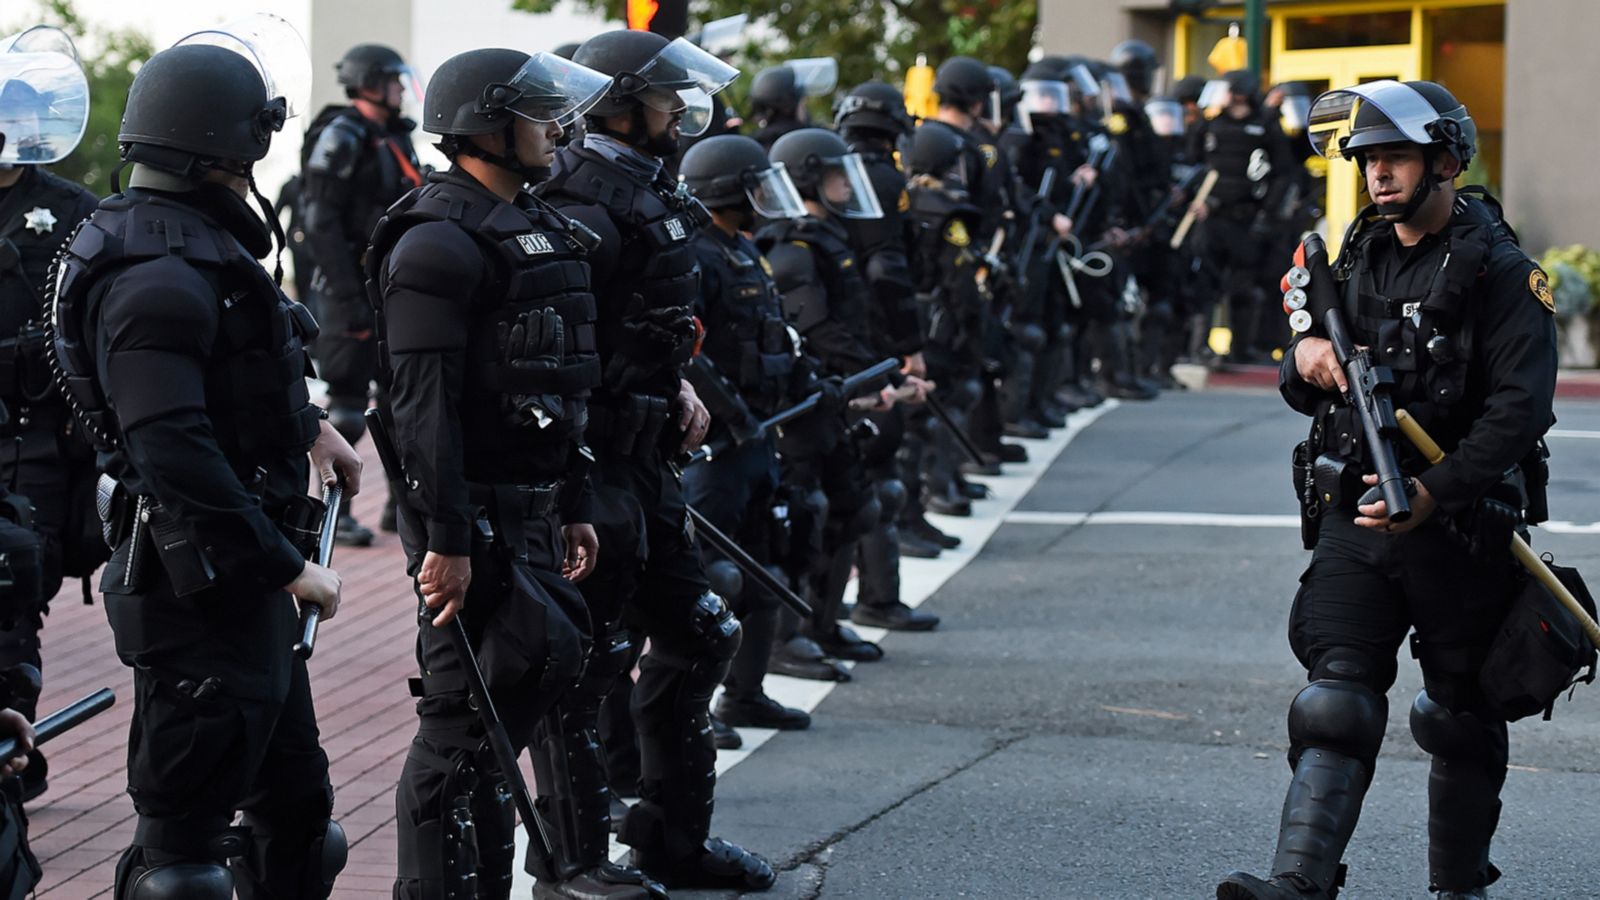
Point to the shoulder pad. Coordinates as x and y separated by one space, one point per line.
338 148
435 258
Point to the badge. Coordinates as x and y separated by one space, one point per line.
1116 123
535 243
1539 285
956 234
39 220
675 229
990 154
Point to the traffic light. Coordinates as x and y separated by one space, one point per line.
669 18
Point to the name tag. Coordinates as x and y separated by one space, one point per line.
534 244
1410 309
675 229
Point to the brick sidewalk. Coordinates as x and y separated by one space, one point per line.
358 677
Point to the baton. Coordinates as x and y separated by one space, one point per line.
747 564
937 407
1524 554
541 845
61 721
850 384
1187 223
311 613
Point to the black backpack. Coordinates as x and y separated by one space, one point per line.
1540 650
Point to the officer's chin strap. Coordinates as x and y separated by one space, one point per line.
1403 212
507 160
278 239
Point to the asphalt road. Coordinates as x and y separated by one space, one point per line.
1101 713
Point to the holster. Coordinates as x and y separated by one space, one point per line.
1306 492
186 564
1338 482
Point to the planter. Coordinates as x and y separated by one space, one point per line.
1578 341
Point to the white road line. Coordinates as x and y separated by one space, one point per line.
1217 520
919 579
1572 433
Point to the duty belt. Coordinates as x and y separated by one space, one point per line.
527 501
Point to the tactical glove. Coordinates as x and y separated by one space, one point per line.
651 340
533 342
1493 522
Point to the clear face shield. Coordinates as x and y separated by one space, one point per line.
1293 114
1042 101
549 89
1083 89
411 96
682 79
772 193
1331 120
815 76
722 35
1214 97
44 97
846 189
1166 117
275 48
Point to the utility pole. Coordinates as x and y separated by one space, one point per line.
1255 21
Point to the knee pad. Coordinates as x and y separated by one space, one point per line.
891 498
725 578
182 881
866 517
716 626
1343 716
967 393
349 421
1344 664
1457 735
331 854
1031 338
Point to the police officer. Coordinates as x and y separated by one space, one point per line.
645 282
44 103
1253 166
1431 279
185 363
751 365
778 96
19 868
483 296
358 160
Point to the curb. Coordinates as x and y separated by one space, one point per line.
1571 384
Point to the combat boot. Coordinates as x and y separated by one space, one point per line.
843 643
1026 427
723 735
895 617
922 528
761 711
800 657
350 533
716 865
917 547
607 881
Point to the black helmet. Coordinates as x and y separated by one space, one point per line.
646 68
1008 89
775 91
197 103
368 65
1389 112
1137 61
477 92
874 105
810 154
1188 88
1244 83
731 170
962 81
1049 68
566 50
935 151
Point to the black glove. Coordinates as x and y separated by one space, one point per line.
1493 522
833 400
651 340
534 342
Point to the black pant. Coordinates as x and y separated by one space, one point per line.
223 722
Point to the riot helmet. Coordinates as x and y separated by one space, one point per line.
44 97
962 81
1138 63
1188 89
1006 93
876 106
937 153
485 91
826 171
1042 98
566 50
732 171
721 36
775 94
646 69
1166 116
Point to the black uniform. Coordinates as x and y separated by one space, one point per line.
1464 319
646 280
354 168
45 459
187 366
488 432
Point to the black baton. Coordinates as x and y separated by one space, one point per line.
61 721
965 440
311 613
747 564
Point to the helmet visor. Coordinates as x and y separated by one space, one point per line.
846 189
1044 98
1116 85
44 97
1331 122
275 48
1215 95
1166 117
773 195
682 78
1082 84
549 89
1293 113
815 76
722 36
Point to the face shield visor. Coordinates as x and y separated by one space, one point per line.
1293 114
277 51
550 89
772 194
44 97
410 91
846 190
815 76
681 79
1166 117
1113 83
1082 88
1042 101
722 35
1331 122
1214 97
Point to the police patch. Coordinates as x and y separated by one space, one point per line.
1117 123
675 229
990 154
534 244
956 234
765 266
1539 286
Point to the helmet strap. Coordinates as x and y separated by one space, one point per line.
278 240
507 160
1404 212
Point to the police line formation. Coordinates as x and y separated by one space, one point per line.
635 376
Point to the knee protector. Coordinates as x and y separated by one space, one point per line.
1457 735
1343 716
725 578
866 517
891 498
1030 337
716 626
349 421
330 854
182 881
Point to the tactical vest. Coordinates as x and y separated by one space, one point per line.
872 236
255 387
536 260
1237 151
656 222
754 346
846 286
364 186
933 210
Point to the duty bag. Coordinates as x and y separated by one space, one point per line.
1540 650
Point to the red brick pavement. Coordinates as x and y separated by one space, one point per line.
358 677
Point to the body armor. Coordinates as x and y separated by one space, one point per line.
881 246
1238 151
841 292
944 219
746 334
354 169
537 263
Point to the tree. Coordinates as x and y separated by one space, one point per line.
110 59
869 38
